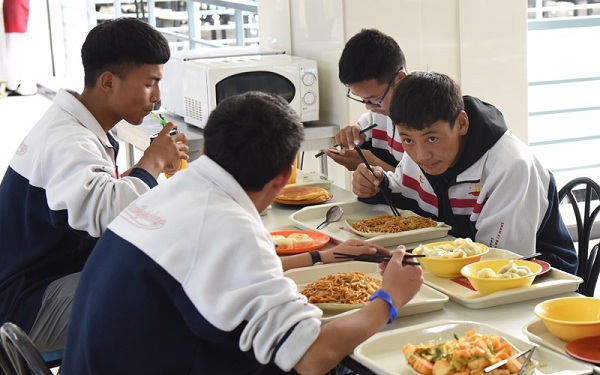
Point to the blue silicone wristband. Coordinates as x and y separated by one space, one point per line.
380 293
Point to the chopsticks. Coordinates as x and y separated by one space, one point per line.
527 257
361 132
503 362
384 192
378 258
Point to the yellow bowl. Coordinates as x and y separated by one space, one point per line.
449 267
488 285
570 318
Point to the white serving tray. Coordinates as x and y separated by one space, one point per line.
537 332
551 283
311 179
382 353
426 300
310 217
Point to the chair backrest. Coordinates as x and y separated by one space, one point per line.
585 220
6 366
594 267
23 355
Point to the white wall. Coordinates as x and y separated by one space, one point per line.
36 60
480 43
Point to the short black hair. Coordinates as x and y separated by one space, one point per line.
253 136
119 45
423 98
370 54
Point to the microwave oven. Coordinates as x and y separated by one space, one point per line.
205 82
171 86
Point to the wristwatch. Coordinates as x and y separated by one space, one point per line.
316 257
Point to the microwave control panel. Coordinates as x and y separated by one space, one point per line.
309 92
309 88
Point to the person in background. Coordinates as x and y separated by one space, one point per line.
371 65
62 186
186 279
20 79
463 167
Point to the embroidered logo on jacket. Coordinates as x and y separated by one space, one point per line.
476 190
465 199
22 149
138 216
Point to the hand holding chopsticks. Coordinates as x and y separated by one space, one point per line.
377 258
384 192
361 132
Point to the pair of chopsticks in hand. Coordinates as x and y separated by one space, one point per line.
378 258
361 132
384 192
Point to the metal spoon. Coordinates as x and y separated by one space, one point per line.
334 213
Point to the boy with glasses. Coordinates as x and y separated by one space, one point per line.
463 167
371 66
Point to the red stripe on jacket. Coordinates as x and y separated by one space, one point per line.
415 185
382 135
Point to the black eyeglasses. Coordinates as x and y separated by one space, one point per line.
380 101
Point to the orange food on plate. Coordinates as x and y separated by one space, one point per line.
342 287
302 193
465 355
392 224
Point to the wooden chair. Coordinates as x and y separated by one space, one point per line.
24 356
589 264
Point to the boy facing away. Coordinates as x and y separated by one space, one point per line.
186 279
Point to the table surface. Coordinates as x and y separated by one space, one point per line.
510 318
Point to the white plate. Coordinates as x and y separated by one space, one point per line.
403 213
382 353
428 299
311 179
310 217
336 308
551 283
537 332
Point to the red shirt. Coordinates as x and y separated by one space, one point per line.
16 15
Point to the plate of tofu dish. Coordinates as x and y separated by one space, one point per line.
298 241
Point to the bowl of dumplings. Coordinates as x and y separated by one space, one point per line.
447 258
494 275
